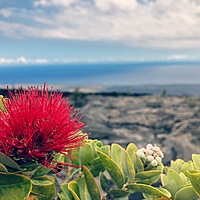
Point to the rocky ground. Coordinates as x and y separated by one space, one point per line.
171 122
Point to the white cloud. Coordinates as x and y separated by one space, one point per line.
158 23
176 57
105 5
54 2
5 12
22 60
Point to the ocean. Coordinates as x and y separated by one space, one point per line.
104 73
113 76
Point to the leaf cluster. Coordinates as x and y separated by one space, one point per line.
101 172
110 172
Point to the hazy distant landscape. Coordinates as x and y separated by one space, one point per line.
176 89
184 89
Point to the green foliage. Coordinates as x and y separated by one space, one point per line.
148 189
113 169
13 186
1 104
22 183
120 172
196 160
8 162
91 185
43 188
102 172
195 180
182 179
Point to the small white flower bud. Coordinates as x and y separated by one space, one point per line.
149 146
143 150
154 163
152 154
139 150
140 153
149 152
161 154
156 149
159 159
150 158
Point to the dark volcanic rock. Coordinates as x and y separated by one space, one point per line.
171 122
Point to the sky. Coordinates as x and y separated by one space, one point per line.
92 31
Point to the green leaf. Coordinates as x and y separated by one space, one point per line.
113 169
119 157
195 180
171 187
16 187
148 177
164 179
3 168
137 162
65 194
173 175
41 171
116 154
177 165
85 155
91 185
106 149
127 167
148 189
118 193
61 158
105 184
42 181
2 107
44 188
124 162
97 167
187 166
148 174
131 148
98 143
83 189
74 189
29 166
94 145
5 160
186 193
196 160
184 179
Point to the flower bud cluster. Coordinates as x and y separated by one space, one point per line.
152 155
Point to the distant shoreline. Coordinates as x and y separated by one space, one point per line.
4 92
116 90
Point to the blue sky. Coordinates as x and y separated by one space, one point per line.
68 31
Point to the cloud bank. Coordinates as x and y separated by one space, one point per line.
143 23
22 60
27 61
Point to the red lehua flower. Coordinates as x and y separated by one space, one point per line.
38 124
